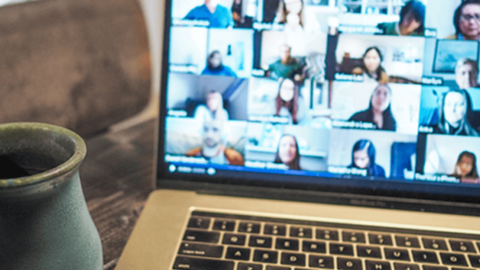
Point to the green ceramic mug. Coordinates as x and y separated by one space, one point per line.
44 219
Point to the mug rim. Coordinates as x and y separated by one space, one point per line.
65 168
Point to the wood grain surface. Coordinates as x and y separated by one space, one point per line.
117 177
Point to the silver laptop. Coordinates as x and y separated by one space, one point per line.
332 134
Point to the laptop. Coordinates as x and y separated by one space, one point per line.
315 134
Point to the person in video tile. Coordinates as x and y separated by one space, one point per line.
213 148
237 13
290 14
379 111
466 168
467 21
466 73
218 15
214 108
286 66
215 66
453 110
289 103
288 152
363 157
412 21
372 68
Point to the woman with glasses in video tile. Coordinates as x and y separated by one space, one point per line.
412 21
467 21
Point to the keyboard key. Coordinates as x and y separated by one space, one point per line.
190 263
271 267
453 259
397 254
425 256
238 253
199 222
200 236
453 268
437 244
249 227
274 229
407 241
431 267
320 261
377 265
314 246
462 246
265 256
249 266
405 266
301 232
341 249
260 241
355 237
201 250
327 234
380 239
369 252
234 239
224 225
294 259
288 244
474 261
349 264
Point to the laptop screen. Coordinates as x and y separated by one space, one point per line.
375 95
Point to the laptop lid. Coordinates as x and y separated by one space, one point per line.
360 102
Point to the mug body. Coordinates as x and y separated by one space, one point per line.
44 219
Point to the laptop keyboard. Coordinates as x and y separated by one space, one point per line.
215 241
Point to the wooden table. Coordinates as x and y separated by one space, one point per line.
117 177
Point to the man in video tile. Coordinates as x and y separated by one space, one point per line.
213 148
466 73
218 15
287 66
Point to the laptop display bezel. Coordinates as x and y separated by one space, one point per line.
383 194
